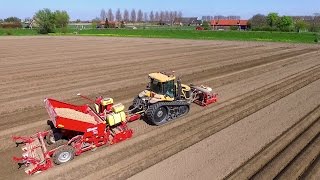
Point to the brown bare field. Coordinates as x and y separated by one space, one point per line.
271 89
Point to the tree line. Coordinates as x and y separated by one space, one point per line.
134 16
47 21
274 22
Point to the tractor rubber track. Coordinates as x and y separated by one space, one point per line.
172 108
121 165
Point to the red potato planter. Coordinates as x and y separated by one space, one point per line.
75 136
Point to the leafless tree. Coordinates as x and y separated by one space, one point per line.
175 16
166 16
139 15
161 16
179 14
126 15
118 15
171 17
207 18
233 17
157 16
145 17
133 16
110 15
102 15
219 17
151 16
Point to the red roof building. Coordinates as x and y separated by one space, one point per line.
228 23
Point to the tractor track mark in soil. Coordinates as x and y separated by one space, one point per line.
303 80
248 64
296 168
97 56
254 71
130 62
54 45
284 158
313 171
74 53
98 72
267 158
54 48
91 77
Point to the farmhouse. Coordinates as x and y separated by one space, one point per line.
225 24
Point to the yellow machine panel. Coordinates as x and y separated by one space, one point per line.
116 118
107 101
117 108
186 87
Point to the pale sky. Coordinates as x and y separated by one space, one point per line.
89 9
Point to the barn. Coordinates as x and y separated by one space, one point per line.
226 24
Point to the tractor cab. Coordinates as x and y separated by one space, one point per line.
162 84
167 85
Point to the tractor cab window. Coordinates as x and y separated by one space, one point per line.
156 86
169 89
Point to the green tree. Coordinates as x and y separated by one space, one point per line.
300 25
205 25
45 20
272 19
95 22
284 23
258 21
12 19
61 19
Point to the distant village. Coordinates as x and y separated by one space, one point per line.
138 19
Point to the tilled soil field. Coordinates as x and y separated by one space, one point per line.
255 81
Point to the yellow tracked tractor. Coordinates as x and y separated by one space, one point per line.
166 98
